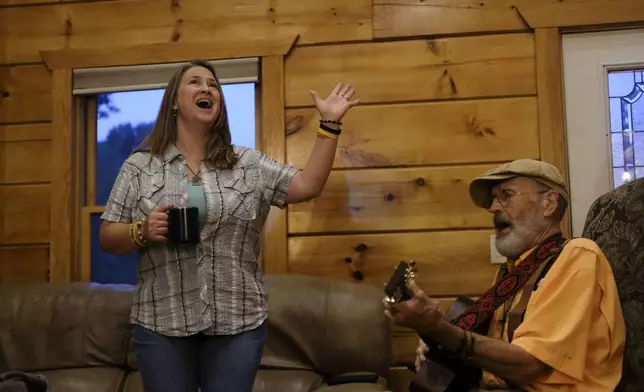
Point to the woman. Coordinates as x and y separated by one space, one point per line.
200 311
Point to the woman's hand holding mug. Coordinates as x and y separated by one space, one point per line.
155 226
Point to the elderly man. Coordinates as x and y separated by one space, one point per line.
551 322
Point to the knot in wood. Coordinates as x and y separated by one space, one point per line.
390 197
361 248
69 29
420 181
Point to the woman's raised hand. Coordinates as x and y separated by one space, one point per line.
336 105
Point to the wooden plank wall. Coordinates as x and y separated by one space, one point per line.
25 155
449 89
435 113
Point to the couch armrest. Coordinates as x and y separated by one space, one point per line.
326 325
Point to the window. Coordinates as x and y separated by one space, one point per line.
118 115
626 111
602 95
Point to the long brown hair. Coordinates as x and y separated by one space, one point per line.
219 149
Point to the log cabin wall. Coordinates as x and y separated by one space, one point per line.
449 88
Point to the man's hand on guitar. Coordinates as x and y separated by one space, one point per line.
419 313
420 353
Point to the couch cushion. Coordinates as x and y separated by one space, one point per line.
269 380
49 326
326 325
133 382
266 381
85 379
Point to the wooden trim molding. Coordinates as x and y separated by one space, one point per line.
582 13
273 143
91 114
62 164
85 274
167 52
258 141
552 128
77 182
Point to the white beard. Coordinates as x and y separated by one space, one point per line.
518 240
512 245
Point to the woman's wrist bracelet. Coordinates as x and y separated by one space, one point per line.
338 123
327 135
136 234
328 132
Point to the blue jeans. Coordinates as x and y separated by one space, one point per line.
212 363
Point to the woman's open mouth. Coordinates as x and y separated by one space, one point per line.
204 103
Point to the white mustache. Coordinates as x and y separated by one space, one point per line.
500 221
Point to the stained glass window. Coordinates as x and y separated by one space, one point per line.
626 110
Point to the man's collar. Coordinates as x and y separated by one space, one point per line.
512 263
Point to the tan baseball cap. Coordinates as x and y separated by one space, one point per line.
545 173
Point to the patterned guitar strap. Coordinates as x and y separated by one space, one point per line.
481 312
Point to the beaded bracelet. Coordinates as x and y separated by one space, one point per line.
331 122
470 356
462 345
136 234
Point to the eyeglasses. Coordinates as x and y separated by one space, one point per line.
505 197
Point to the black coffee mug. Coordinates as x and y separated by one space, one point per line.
183 225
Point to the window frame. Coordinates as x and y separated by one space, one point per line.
98 80
587 115
636 85
65 187
86 119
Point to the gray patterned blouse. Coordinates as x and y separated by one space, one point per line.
216 286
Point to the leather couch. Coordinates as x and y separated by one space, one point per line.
77 335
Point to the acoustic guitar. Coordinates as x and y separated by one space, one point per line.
442 371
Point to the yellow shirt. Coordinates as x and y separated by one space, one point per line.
573 323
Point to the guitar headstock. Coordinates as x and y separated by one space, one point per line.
396 289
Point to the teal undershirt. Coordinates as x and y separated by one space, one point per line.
197 198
